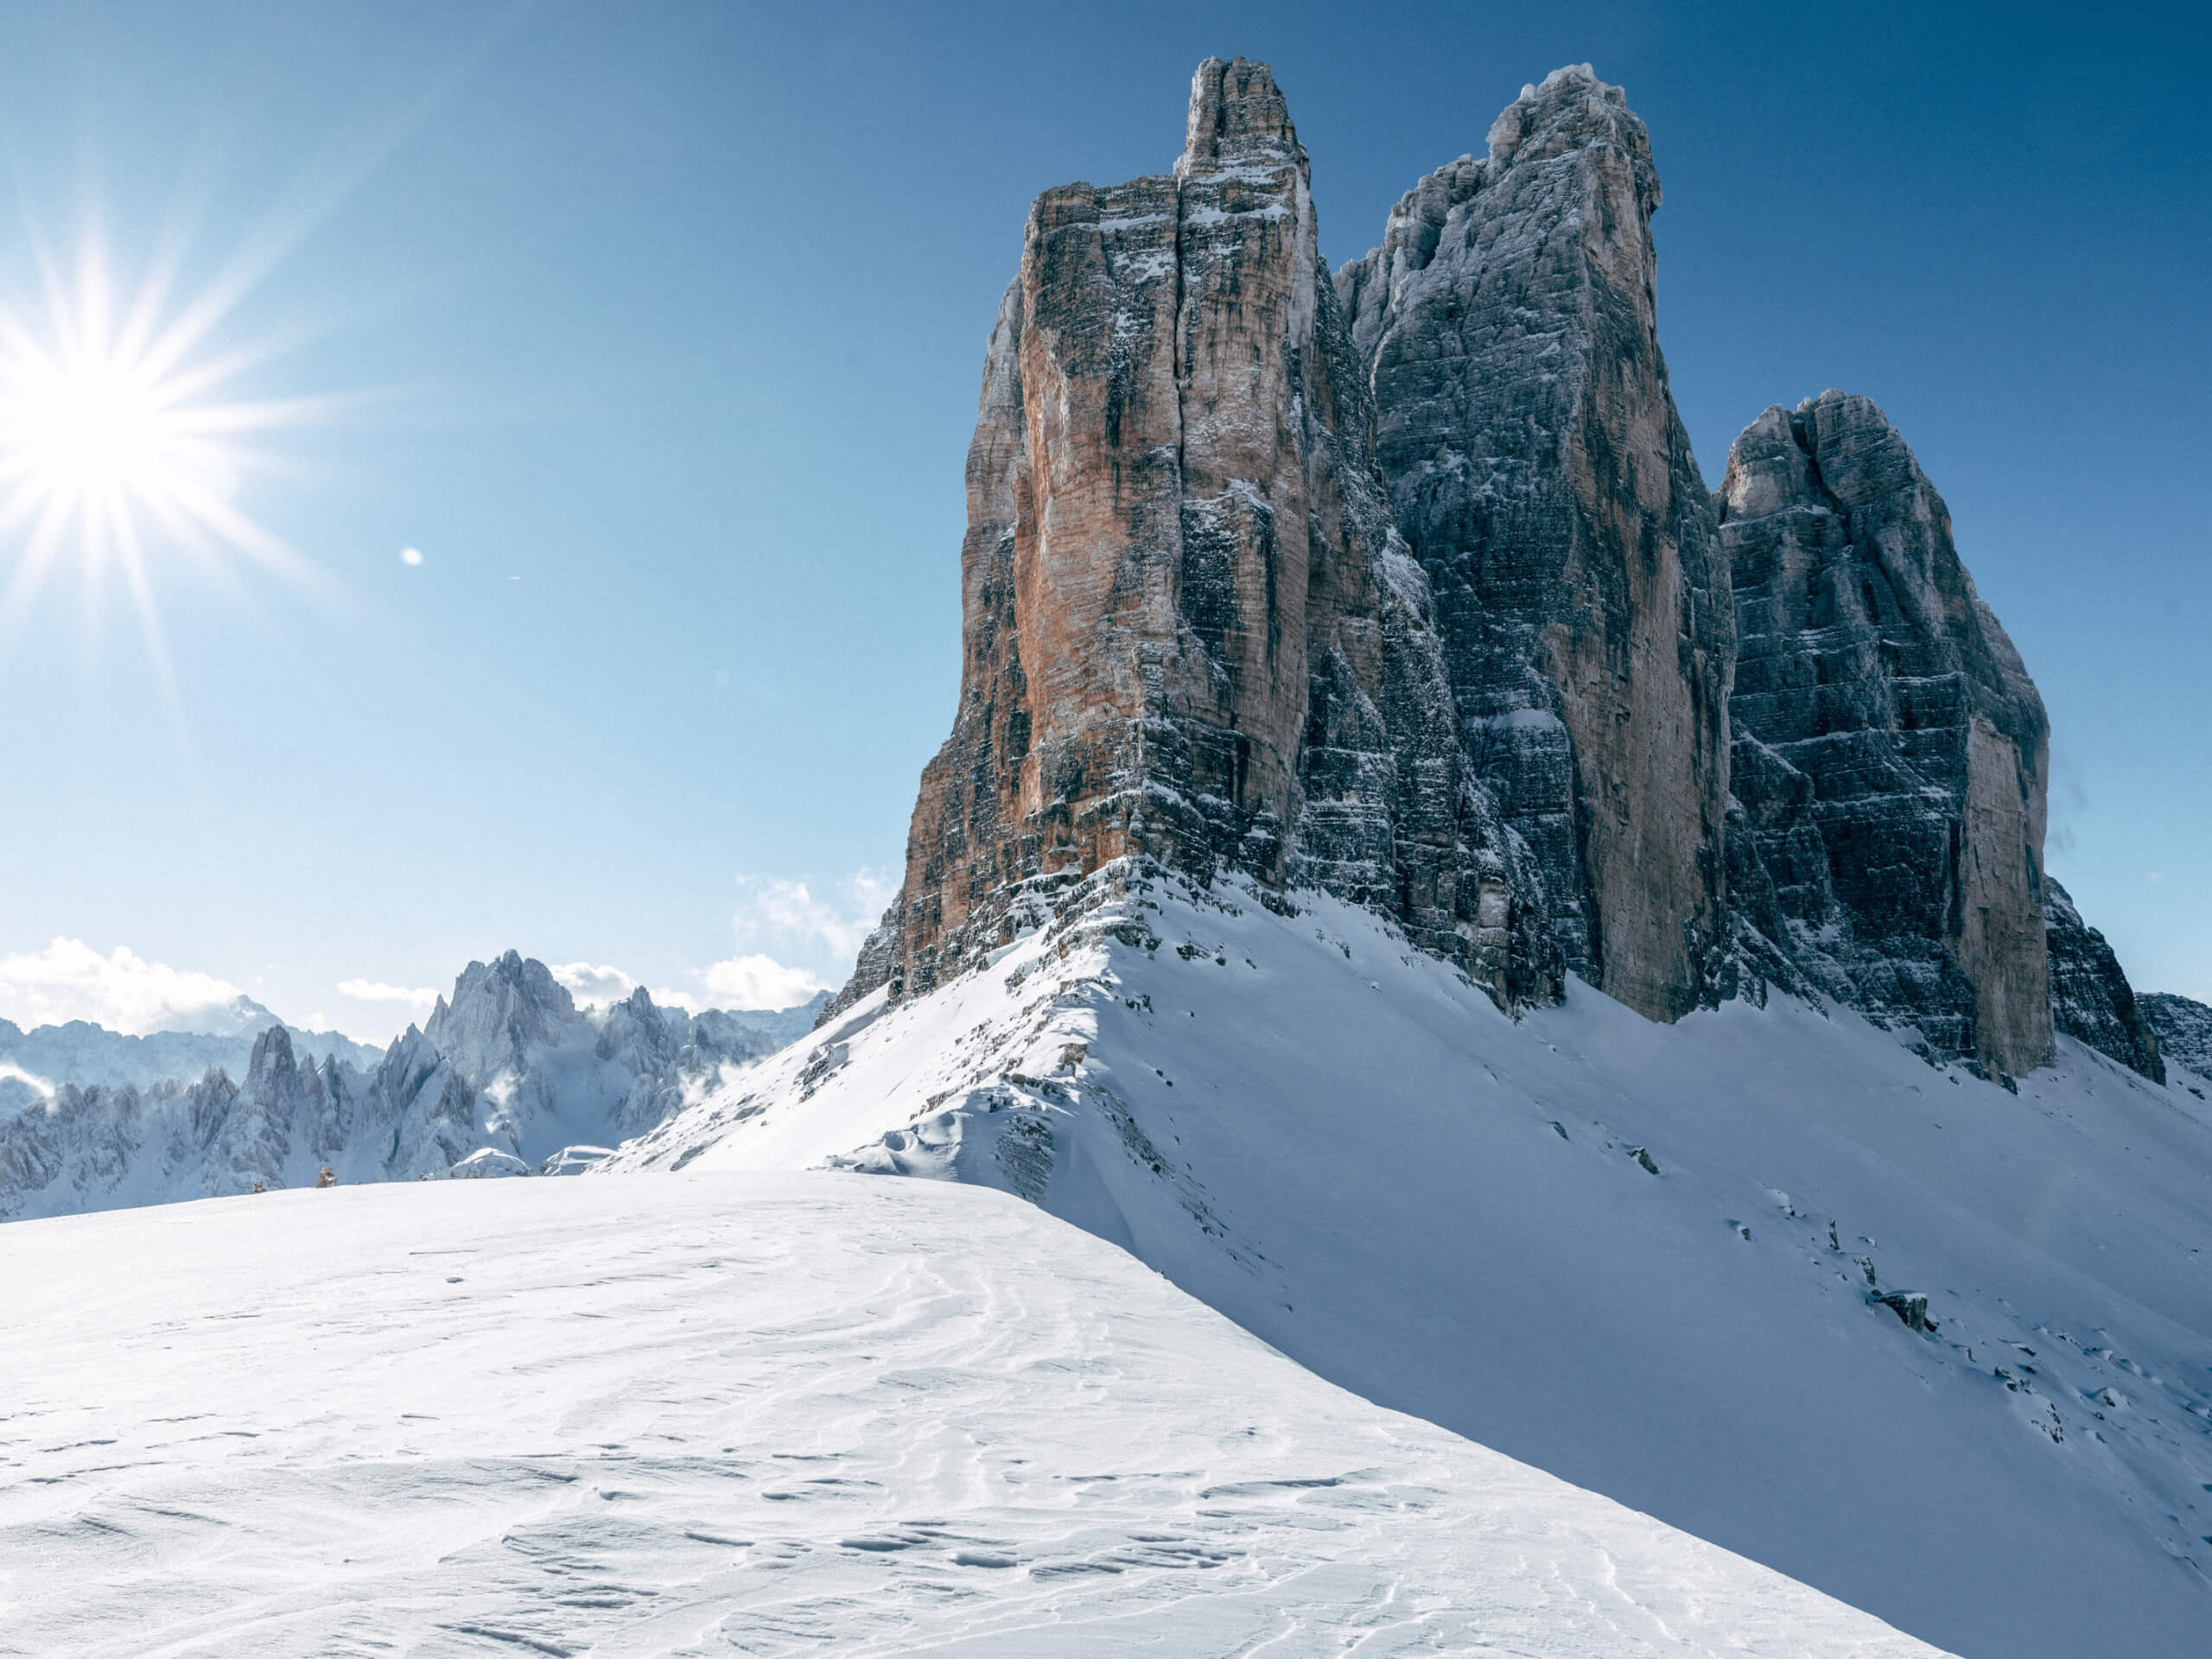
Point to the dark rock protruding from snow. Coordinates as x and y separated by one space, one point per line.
2184 1028
1890 750
1191 630
1508 327
2090 998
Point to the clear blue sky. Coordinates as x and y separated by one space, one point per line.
667 323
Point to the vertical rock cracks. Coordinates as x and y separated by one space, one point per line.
1508 325
1191 629
1404 584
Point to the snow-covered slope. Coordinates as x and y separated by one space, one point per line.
509 1078
767 1416
1642 1257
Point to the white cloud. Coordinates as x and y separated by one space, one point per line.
791 944
753 982
122 990
411 556
370 990
31 1080
594 986
785 914
761 982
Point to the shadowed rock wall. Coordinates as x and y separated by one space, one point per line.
2090 998
1890 751
2184 1028
1508 325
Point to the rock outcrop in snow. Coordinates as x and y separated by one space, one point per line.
2090 998
1190 627
2184 1028
1890 751
1508 327
509 1073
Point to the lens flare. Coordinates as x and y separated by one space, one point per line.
118 444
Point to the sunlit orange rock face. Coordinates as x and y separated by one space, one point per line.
1190 627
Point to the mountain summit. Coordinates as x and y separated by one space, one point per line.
1191 629
1556 950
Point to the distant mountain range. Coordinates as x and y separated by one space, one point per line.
509 1077
87 1054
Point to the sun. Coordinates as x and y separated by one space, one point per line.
93 430
122 440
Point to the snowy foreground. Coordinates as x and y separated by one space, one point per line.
1645 1259
755 1414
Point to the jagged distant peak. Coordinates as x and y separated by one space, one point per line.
272 1054
519 980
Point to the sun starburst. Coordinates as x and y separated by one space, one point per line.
121 439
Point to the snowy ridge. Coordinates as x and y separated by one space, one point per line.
760 1414
508 1078
1647 1259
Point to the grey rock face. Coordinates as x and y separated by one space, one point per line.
1191 630
1889 752
2090 998
1508 329
2183 1026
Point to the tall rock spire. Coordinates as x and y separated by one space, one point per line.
1892 754
1507 326
1190 628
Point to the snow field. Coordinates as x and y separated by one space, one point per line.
1604 1246
755 1413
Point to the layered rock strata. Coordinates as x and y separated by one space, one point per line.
2090 998
1191 630
1890 750
1508 329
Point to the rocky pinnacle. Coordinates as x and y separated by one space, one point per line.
1507 326
1403 584
1190 628
1891 754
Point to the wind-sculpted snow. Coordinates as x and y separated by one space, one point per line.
756 1414
1647 1259
509 1078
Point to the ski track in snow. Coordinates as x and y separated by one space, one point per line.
780 1413
1601 1245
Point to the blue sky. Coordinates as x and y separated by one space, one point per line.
658 330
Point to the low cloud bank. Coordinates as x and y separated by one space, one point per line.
121 990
